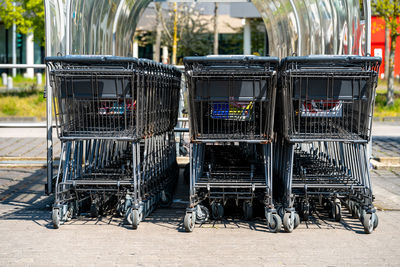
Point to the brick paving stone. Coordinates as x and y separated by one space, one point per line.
7 145
384 146
21 143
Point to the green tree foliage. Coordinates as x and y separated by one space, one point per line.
28 16
389 10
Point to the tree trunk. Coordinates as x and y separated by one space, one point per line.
390 88
216 29
157 45
387 50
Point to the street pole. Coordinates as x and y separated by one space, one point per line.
216 29
247 37
14 47
49 96
175 41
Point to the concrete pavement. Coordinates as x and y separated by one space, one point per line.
27 237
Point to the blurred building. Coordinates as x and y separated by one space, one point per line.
378 45
26 51
241 29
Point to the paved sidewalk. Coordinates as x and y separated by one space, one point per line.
385 146
386 189
31 142
27 237
27 147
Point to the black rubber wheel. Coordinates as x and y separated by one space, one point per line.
368 224
167 202
331 210
296 220
55 216
362 214
120 208
94 210
128 216
305 212
276 223
355 211
338 212
281 211
217 211
135 217
188 222
203 216
247 210
350 206
287 223
376 222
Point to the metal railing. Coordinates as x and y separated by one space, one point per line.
22 66
43 125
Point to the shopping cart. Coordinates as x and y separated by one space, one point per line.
325 115
231 116
115 118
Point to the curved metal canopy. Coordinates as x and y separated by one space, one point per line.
93 27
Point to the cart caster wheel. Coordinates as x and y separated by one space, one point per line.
217 211
288 225
165 200
369 223
376 221
55 216
331 210
247 210
276 223
120 209
281 211
188 222
202 214
128 216
362 215
305 216
305 213
94 211
350 207
355 211
296 220
135 218
337 212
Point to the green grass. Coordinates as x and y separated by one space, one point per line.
24 103
29 101
382 85
381 109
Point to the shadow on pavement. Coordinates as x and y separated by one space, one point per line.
25 200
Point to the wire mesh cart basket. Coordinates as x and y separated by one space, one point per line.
115 118
324 114
231 115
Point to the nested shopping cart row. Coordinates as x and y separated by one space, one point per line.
289 134
231 115
115 118
113 97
